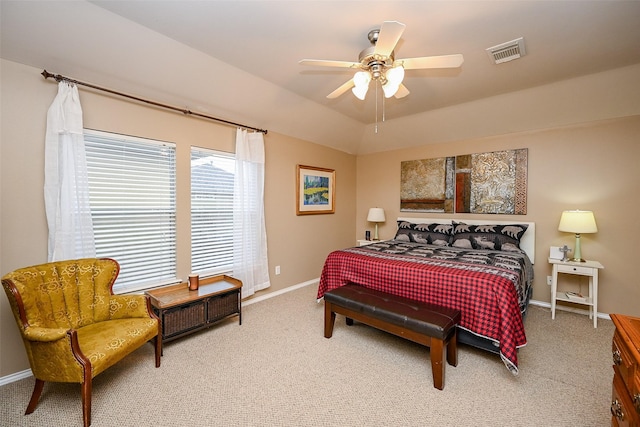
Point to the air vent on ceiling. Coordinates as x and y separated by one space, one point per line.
508 51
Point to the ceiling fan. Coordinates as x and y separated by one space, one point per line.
378 63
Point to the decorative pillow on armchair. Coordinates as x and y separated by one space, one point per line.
493 236
431 234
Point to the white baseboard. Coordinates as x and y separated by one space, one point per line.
280 292
569 309
15 377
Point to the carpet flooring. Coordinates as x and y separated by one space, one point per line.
277 369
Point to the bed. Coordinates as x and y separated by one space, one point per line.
483 268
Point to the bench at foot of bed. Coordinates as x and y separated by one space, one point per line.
427 324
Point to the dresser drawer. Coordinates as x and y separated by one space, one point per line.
634 390
177 320
574 269
623 413
623 360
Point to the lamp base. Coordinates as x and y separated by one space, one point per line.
577 251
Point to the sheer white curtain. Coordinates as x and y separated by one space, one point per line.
250 237
66 187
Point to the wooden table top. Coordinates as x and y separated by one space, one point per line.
169 296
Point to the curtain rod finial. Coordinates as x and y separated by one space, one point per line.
56 77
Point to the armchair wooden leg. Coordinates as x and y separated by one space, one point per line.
86 401
35 396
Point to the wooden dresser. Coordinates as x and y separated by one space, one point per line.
625 400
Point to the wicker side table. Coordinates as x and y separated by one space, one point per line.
183 312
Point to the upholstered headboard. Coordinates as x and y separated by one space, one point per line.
527 243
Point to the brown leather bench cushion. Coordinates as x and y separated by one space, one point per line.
428 319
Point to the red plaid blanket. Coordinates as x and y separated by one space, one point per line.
485 294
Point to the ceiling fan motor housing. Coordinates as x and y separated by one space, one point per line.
375 64
373 35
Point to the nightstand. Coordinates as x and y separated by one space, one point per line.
587 268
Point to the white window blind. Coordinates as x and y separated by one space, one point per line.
132 188
212 175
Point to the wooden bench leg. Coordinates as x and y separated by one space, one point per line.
452 349
437 362
329 319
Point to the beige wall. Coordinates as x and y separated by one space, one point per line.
594 166
590 166
298 244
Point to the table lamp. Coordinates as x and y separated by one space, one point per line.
376 215
577 222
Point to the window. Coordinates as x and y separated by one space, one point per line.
132 192
212 181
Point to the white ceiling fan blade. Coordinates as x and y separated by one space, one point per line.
444 61
390 33
328 63
342 89
402 91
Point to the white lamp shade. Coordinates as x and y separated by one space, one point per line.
390 90
394 78
376 215
361 84
362 78
395 75
360 92
578 222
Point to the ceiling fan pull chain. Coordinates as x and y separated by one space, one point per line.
376 129
383 105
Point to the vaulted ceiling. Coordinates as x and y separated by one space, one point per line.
183 51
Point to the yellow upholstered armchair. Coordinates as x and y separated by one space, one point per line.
72 325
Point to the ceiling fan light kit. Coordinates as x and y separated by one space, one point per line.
377 63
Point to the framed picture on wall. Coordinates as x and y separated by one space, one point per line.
315 190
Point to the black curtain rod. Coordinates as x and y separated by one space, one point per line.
60 78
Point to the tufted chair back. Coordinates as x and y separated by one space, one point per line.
66 294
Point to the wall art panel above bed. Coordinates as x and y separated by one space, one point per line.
484 183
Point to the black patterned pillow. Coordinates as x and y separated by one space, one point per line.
431 234
492 236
